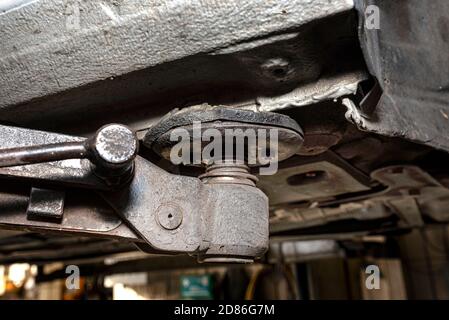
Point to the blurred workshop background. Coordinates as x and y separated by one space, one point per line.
412 266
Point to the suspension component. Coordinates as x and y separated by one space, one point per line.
111 150
219 217
229 172
237 230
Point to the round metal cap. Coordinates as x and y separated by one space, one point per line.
115 145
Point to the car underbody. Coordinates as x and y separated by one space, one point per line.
369 106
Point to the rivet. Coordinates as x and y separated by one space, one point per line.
169 216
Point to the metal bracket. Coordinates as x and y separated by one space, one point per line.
46 204
220 217
169 213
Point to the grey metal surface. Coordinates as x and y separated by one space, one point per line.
112 38
410 195
135 60
151 188
229 172
46 204
81 216
408 56
73 171
84 214
227 221
111 151
324 89
9 5
18 156
300 179
115 146
169 216
291 56
218 220
234 223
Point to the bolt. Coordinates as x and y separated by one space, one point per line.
111 151
169 216
114 146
